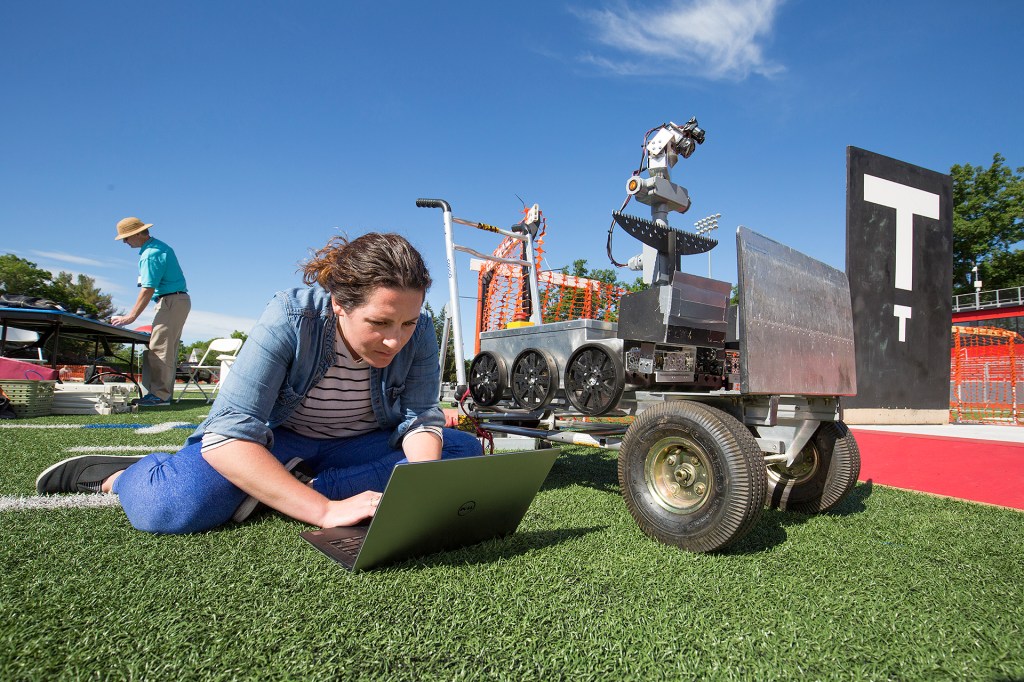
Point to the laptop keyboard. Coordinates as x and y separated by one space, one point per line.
349 545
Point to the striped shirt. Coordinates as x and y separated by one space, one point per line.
339 406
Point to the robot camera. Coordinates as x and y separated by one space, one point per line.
694 131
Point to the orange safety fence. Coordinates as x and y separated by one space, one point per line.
503 291
985 367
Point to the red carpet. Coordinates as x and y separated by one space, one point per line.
979 470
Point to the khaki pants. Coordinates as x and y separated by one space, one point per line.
162 359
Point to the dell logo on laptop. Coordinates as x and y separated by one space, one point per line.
467 507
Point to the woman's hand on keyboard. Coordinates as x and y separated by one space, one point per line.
350 511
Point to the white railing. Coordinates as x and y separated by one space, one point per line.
996 298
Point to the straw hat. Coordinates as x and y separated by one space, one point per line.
130 226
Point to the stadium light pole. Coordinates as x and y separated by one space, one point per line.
705 225
977 288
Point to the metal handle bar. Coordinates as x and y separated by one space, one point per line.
434 203
453 293
446 207
453 288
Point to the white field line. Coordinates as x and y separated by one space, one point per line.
125 448
85 500
41 426
143 430
160 428
29 503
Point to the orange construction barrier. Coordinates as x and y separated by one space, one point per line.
503 292
984 371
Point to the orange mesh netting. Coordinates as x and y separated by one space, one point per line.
984 371
503 291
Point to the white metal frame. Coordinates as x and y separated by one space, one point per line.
451 247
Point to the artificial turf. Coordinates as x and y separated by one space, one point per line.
893 585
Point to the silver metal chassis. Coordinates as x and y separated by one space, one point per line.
782 424
559 339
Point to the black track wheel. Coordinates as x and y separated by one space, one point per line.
594 379
692 475
534 379
488 378
826 470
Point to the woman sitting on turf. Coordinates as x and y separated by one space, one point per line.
336 384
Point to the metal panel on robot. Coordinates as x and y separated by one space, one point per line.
795 322
559 339
693 306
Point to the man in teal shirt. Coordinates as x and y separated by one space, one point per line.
162 281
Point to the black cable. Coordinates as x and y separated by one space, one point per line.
611 229
640 169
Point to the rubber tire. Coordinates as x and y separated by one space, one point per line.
488 388
736 478
834 468
534 397
609 374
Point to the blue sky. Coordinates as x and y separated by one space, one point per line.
250 132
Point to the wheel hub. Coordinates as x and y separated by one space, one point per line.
802 470
678 474
534 379
685 474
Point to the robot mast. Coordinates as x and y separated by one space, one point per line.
663 244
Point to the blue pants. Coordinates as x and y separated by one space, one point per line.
182 493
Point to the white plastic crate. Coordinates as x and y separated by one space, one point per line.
70 398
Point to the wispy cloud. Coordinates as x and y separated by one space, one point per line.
712 39
62 257
202 325
54 262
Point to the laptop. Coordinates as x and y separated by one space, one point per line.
430 507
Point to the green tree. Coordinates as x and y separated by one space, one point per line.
560 300
988 225
81 293
638 285
23 277
449 355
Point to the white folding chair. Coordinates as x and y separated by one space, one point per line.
22 339
225 352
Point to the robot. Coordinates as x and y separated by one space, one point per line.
717 408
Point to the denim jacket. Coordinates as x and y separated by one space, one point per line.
290 350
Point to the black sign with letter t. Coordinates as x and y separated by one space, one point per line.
899 259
